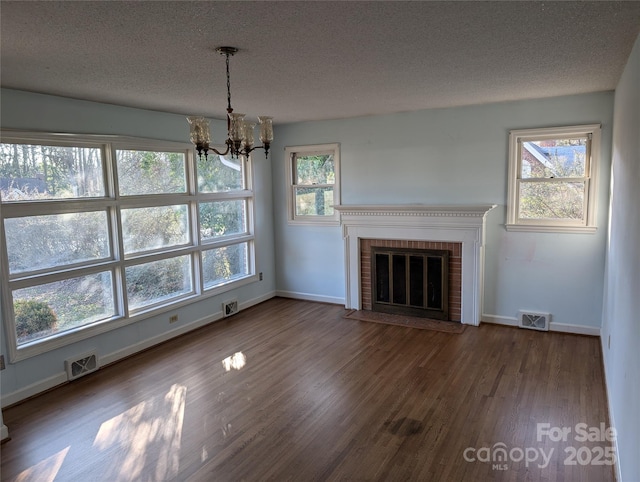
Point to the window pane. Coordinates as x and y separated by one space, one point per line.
218 174
222 218
224 264
552 200
158 281
39 242
314 201
554 158
318 169
144 229
44 310
34 172
148 172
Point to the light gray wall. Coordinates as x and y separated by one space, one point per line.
21 110
621 319
452 156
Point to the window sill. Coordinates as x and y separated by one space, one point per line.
545 228
315 222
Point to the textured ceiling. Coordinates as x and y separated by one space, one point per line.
314 60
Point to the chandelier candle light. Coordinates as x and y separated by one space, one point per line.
239 131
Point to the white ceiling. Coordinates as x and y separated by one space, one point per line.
309 60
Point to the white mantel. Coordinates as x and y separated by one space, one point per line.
418 222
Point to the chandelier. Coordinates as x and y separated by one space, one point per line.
239 131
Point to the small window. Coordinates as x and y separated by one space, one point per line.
224 264
222 218
150 172
154 227
158 281
314 183
44 310
42 172
552 179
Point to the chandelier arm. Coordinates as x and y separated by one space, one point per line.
221 153
253 149
246 151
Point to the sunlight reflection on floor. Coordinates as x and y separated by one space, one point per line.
46 470
237 361
152 430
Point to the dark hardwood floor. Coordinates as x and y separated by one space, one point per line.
290 390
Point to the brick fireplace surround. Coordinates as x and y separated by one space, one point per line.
459 229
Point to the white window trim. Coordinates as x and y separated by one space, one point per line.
109 143
291 207
588 225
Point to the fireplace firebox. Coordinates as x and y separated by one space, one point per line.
410 281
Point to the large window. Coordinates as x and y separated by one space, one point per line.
98 232
552 179
314 183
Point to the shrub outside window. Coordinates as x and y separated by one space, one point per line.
98 232
552 179
314 183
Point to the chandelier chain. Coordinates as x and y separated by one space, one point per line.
228 85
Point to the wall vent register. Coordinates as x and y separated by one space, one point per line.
80 366
534 321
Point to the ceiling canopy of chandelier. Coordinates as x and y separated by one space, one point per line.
239 131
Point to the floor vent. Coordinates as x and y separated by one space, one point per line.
534 321
82 365
229 308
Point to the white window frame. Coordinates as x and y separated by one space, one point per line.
113 204
588 223
290 154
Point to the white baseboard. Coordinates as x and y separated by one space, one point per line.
500 320
575 329
255 301
310 297
4 432
60 378
34 389
558 327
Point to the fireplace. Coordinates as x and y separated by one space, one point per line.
453 265
410 281
456 229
